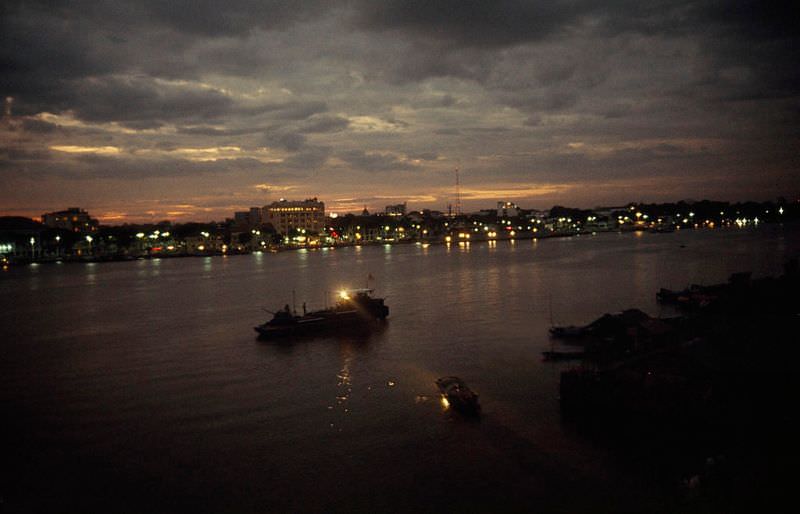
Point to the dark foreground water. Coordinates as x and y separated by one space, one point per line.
140 386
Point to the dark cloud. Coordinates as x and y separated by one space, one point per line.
205 130
447 132
309 158
292 141
470 22
200 18
321 124
424 156
127 169
145 124
38 126
511 22
425 59
289 110
143 103
373 162
235 18
533 121
12 153
434 102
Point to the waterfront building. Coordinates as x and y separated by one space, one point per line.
249 219
396 210
73 219
241 218
204 243
285 215
612 213
507 210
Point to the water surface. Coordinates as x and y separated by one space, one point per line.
140 386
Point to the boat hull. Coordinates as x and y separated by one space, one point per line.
359 312
333 324
459 396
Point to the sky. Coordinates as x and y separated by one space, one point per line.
193 109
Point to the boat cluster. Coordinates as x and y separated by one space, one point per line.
698 384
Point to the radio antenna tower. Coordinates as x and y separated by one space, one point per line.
458 193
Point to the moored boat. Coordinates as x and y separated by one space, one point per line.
354 309
555 355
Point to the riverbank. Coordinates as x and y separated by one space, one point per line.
480 238
706 396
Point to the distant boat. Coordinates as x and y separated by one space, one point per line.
569 331
457 395
608 325
353 309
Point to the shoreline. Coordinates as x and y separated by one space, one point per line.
438 241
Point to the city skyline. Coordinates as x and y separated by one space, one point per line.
149 111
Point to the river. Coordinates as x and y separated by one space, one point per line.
140 386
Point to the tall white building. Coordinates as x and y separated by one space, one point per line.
284 215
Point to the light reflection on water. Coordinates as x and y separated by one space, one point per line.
151 372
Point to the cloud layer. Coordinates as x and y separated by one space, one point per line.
142 107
